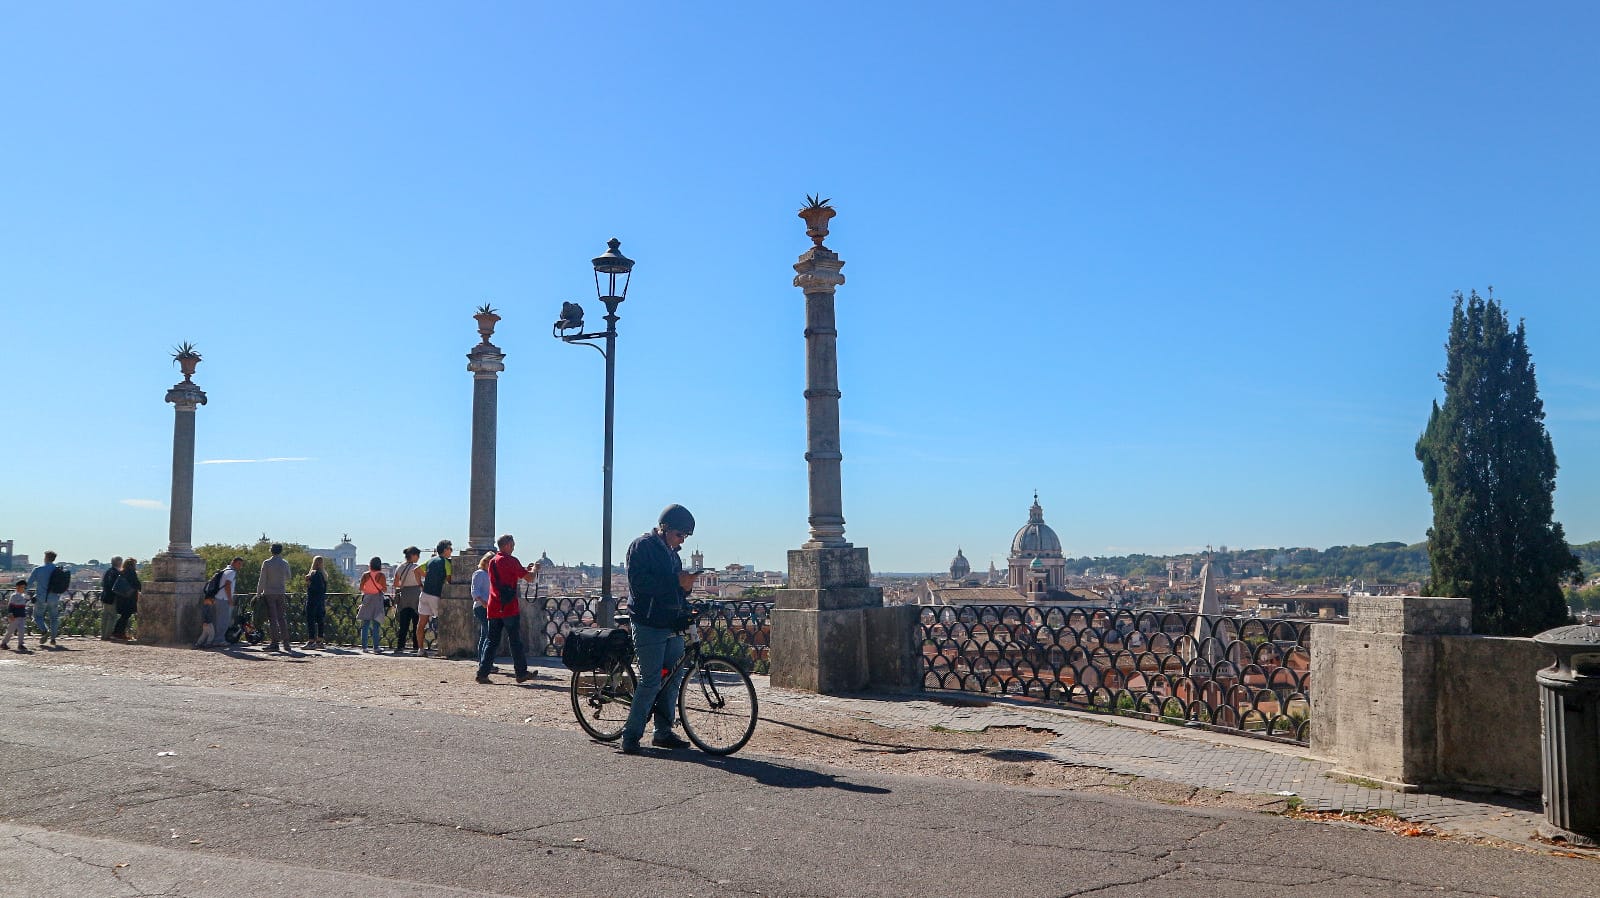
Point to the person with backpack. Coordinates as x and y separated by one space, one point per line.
504 613
227 581
48 581
435 574
127 590
108 599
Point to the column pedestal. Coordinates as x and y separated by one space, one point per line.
831 632
169 606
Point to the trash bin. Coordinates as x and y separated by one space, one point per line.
1569 703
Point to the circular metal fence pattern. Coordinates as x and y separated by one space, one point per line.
741 630
1246 675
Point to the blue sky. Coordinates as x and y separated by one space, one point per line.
1185 269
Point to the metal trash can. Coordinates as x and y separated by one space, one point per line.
1569 731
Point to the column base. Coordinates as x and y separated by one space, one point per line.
169 606
844 640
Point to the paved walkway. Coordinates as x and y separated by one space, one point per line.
1199 758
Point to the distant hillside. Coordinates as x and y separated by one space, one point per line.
1391 562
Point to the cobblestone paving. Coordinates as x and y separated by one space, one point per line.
1191 757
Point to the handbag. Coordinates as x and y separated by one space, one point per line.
123 588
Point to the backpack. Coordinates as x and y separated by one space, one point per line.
433 576
592 648
60 580
214 585
123 587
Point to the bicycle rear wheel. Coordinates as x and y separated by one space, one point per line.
602 698
718 705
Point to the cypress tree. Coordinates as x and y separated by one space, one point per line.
1491 468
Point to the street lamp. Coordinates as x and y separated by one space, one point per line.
611 263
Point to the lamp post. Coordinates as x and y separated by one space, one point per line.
569 328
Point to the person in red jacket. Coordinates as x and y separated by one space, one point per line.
506 574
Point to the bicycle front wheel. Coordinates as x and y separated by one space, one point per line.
718 705
602 698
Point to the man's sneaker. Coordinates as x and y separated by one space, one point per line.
668 740
483 679
630 747
526 676
23 650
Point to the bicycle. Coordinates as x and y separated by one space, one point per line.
717 703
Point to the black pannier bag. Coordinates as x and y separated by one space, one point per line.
592 648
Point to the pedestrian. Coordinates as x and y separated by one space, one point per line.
373 605
17 617
272 591
46 604
658 589
480 603
504 614
108 598
127 590
407 595
435 574
208 622
316 604
227 599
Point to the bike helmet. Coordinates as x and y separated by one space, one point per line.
676 517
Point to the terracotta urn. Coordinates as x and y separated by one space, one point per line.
486 323
817 222
187 364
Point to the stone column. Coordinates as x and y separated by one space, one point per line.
169 607
830 629
458 629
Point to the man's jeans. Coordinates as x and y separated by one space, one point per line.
108 619
482 614
657 647
512 628
224 619
47 615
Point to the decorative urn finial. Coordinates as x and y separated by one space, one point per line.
816 213
186 357
487 319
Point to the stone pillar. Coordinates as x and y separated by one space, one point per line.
830 629
1376 686
169 607
458 628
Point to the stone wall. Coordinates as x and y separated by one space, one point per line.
1488 712
1407 696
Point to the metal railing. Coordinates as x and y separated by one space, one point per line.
1248 676
740 630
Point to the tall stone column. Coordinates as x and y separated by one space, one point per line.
830 629
169 607
458 629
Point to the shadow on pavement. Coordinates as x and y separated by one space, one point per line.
769 774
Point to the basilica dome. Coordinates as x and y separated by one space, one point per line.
1035 538
959 567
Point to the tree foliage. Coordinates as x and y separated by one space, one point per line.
218 556
1491 468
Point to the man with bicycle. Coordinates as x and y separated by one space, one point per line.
658 589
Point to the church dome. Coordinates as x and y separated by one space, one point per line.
959 567
1035 538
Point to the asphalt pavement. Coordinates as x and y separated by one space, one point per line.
120 787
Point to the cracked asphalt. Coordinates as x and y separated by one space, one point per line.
124 786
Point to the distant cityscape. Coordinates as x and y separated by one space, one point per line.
1268 582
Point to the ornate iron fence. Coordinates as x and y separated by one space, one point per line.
1248 675
740 630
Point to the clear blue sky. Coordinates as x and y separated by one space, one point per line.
1185 269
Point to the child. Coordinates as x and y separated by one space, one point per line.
17 617
208 622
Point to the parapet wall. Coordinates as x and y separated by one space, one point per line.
1407 696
